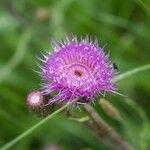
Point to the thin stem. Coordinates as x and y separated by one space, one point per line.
108 135
146 7
30 130
131 72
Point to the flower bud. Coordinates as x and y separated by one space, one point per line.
41 14
36 103
110 109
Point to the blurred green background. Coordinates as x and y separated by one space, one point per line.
26 28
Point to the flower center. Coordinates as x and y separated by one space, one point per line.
78 73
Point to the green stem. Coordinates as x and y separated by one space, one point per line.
30 130
144 5
131 72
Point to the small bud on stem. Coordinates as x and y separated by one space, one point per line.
109 109
36 103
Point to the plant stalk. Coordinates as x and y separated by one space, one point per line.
108 135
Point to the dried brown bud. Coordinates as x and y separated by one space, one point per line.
41 14
109 109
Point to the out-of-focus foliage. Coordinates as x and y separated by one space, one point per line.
26 28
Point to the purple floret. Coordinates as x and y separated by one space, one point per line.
77 69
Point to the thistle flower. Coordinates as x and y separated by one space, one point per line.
36 103
76 69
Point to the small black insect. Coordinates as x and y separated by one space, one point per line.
115 66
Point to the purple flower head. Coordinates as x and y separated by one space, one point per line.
77 69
